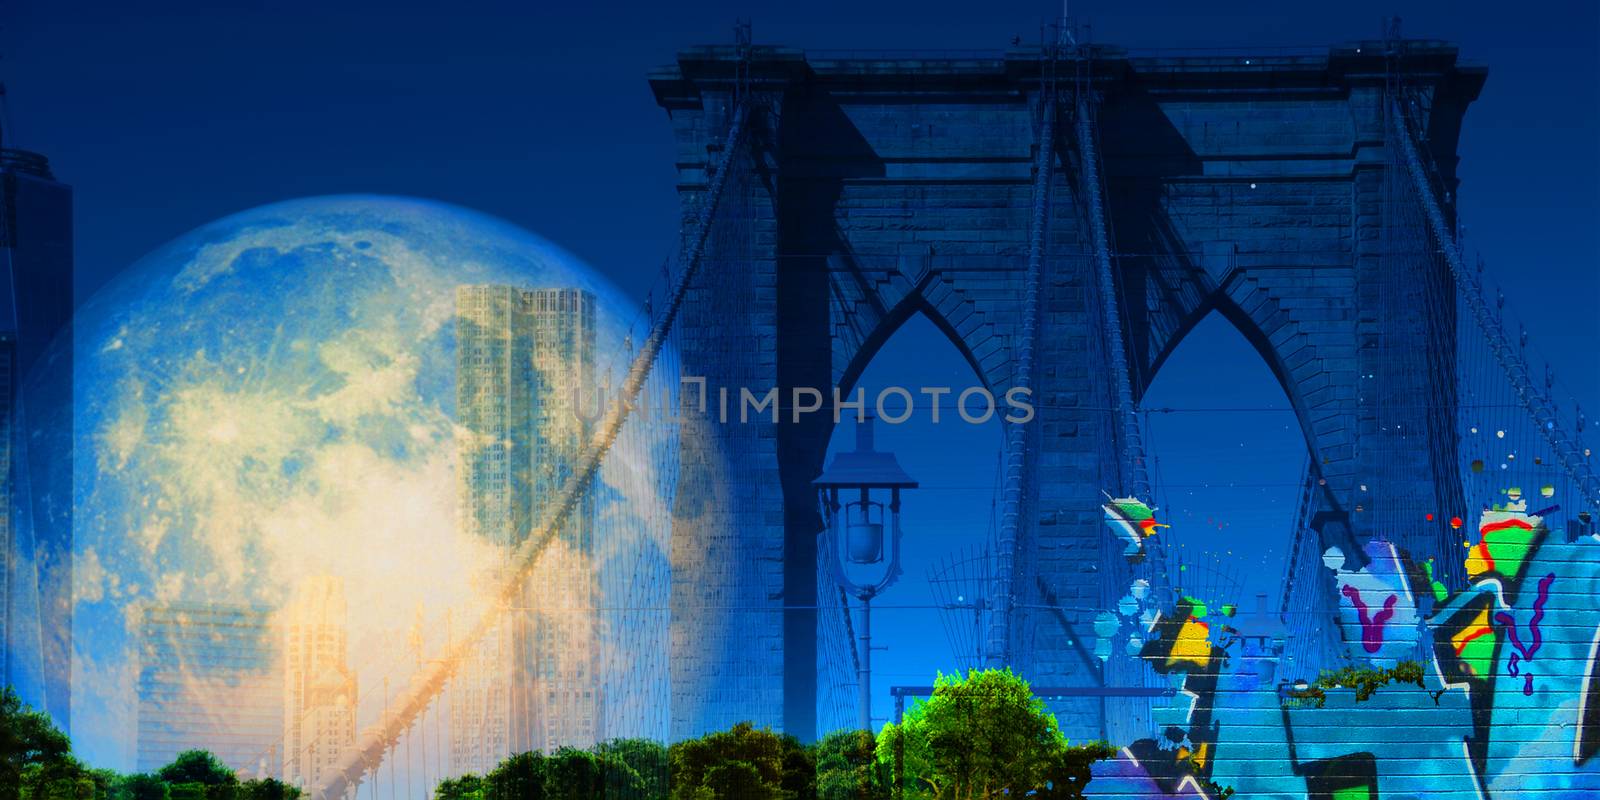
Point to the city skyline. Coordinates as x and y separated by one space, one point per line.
210 673
523 355
335 502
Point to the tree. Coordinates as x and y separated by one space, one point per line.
741 763
27 738
642 759
61 780
466 787
267 789
517 778
799 769
985 736
197 766
847 768
1069 772
572 774
106 782
141 786
736 780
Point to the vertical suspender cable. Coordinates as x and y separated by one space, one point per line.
997 649
1136 479
1532 400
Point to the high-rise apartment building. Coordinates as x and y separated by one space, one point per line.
210 677
522 356
319 691
35 470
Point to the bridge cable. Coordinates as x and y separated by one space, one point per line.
377 740
997 649
1534 402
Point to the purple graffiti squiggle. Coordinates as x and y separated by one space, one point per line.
1525 654
1371 627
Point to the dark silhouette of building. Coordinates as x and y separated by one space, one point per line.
36 464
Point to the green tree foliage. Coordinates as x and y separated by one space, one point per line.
736 779
466 787
984 736
28 739
572 774
742 763
637 769
519 777
197 766
141 786
1365 680
847 768
567 774
267 789
61 781
799 770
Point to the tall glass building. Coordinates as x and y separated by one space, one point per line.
35 481
521 357
210 677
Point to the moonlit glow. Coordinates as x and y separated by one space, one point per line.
272 397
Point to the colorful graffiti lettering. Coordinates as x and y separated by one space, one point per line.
1371 625
1524 653
1480 727
1390 632
1133 521
1440 592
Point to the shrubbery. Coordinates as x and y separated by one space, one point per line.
985 736
1365 680
36 763
982 736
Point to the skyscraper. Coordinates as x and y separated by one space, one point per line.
210 677
35 471
319 691
521 356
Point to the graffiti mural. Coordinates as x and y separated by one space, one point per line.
1478 692
1377 611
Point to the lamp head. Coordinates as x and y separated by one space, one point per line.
864 467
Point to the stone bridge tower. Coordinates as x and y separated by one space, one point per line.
879 188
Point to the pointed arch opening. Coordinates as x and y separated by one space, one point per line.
1229 457
929 620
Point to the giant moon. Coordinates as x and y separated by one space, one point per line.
273 396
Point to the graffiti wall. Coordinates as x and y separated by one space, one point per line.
1487 690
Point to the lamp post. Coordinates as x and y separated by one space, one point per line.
852 493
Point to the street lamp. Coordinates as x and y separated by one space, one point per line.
851 492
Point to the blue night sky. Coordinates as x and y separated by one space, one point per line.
164 116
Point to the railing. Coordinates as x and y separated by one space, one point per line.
904 55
